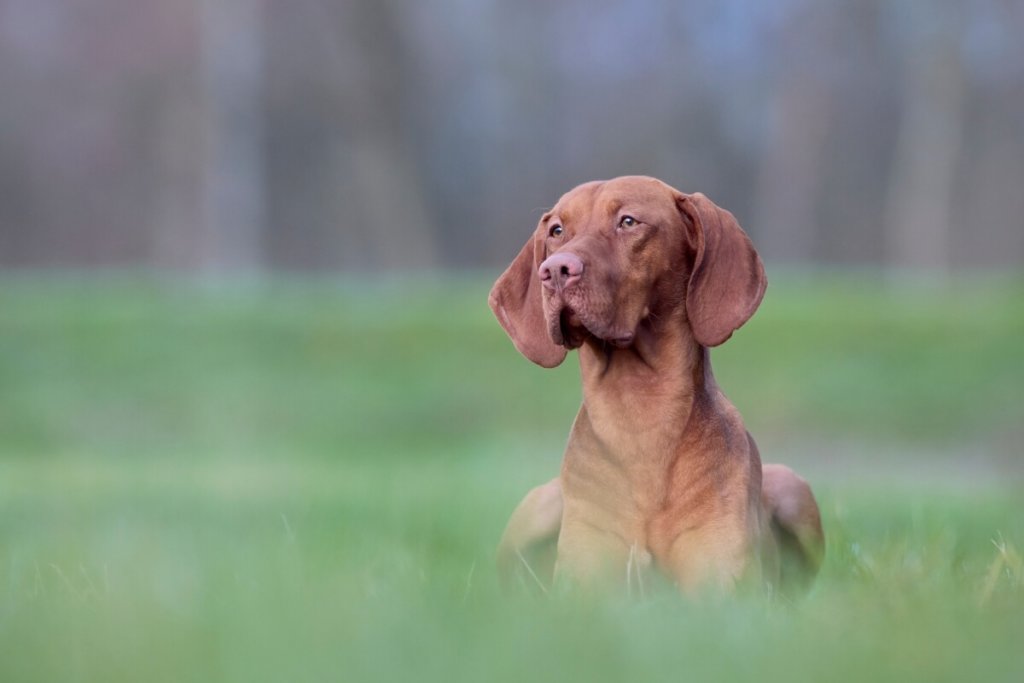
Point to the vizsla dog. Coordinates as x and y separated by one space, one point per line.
659 473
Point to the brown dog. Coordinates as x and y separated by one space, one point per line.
659 470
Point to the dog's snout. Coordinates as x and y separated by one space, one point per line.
560 270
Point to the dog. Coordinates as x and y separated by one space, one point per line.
659 474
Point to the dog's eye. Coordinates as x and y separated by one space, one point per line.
555 230
627 222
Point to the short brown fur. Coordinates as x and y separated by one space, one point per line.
659 473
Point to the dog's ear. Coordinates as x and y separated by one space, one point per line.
727 281
516 302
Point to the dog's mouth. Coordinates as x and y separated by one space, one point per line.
565 328
570 329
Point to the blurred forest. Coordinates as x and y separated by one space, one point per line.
355 135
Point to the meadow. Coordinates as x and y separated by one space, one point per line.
304 480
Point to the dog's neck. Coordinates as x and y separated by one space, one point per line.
646 391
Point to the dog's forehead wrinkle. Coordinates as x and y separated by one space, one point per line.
613 206
647 200
600 199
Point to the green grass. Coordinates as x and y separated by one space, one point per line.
305 480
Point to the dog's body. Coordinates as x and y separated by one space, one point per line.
659 470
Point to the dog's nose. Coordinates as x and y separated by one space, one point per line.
560 270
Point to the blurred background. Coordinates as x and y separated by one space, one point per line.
357 135
258 423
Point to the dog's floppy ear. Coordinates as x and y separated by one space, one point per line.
727 281
516 302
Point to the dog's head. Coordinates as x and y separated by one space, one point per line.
612 254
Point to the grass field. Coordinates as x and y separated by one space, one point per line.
305 481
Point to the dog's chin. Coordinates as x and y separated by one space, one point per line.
569 329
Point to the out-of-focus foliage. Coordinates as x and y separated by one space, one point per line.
396 133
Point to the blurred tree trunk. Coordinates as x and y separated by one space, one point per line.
918 209
789 180
379 213
233 173
178 218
